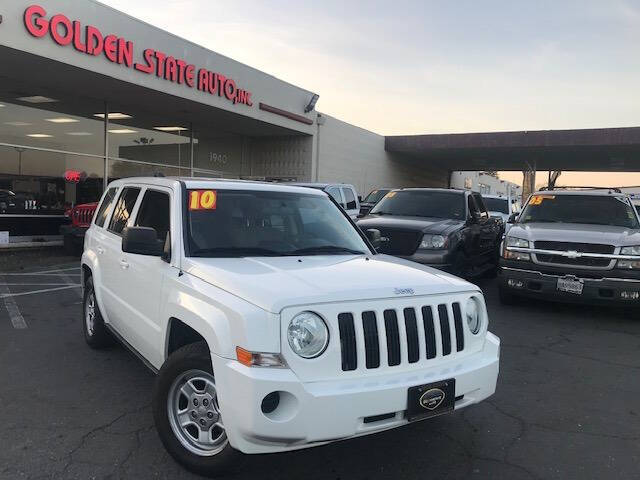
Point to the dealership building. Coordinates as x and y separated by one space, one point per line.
89 94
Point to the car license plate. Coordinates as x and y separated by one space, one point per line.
425 401
570 285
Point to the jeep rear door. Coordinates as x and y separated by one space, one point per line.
110 265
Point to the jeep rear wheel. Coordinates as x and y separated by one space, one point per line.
187 412
95 332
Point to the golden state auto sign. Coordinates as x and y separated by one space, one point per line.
89 40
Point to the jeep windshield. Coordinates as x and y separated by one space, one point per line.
612 210
250 223
422 203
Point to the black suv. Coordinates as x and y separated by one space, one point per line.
443 228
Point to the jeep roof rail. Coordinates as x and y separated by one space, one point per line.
579 187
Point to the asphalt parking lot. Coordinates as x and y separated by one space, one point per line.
567 404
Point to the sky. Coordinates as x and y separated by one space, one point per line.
420 66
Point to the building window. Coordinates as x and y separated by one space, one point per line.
484 189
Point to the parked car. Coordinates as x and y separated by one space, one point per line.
443 228
17 202
343 193
272 322
499 207
370 200
73 233
8 201
573 245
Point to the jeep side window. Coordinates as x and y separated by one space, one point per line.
154 212
123 208
349 198
105 207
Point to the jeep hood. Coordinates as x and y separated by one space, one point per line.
273 283
576 232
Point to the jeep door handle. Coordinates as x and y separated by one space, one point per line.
100 250
124 264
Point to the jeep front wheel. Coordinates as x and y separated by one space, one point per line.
187 413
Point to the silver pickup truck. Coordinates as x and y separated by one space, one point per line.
573 245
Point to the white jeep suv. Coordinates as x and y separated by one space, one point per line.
271 321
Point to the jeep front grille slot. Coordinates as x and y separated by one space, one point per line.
429 332
371 346
393 337
411 327
410 335
347 341
457 320
444 329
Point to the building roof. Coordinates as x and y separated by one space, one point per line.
599 149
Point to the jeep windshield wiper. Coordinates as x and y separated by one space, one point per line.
235 252
325 249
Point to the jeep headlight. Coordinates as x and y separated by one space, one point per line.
433 242
472 313
517 243
308 335
629 264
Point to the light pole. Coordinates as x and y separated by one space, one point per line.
20 150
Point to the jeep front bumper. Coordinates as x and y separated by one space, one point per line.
315 413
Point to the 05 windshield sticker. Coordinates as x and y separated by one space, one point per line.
538 199
203 199
390 195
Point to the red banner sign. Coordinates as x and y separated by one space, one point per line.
90 41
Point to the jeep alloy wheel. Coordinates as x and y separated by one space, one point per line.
194 414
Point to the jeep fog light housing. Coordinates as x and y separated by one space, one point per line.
433 242
472 313
308 335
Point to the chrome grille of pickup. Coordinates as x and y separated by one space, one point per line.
577 247
401 332
399 242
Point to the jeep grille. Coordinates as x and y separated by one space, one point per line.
396 337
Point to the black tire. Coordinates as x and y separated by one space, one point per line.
98 336
507 297
188 358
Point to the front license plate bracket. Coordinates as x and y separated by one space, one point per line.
431 400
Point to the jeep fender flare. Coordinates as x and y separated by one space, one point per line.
210 322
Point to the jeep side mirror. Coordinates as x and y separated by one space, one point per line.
512 218
141 240
374 236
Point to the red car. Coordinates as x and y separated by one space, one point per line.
73 233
